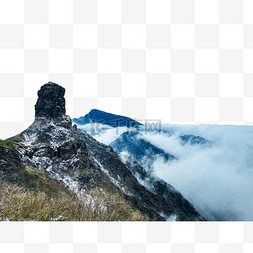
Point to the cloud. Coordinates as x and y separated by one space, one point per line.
216 180
103 133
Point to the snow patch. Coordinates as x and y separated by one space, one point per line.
114 181
172 218
29 139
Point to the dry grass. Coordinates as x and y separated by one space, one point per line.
19 204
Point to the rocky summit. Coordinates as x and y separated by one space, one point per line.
52 147
51 101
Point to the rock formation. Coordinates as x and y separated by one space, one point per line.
50 106
51 101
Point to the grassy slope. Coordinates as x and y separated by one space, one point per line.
32 195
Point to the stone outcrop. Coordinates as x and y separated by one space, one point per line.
51 101
50 105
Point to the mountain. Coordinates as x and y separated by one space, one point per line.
142 151
51 155
105 118
158 186
113 120
194 140
145 153
135 152
139 156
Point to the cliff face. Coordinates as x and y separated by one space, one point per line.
52 147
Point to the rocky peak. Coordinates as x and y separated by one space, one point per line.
51 101
50 106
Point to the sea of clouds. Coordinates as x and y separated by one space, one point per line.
217 180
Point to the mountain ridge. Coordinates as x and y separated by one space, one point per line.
51 146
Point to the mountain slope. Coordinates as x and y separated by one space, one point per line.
29 195
159 187
141 152
51 147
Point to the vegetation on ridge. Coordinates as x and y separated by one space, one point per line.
9 144
32 195
19 204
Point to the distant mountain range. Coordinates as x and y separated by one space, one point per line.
113 120
139 155
142 151
132 140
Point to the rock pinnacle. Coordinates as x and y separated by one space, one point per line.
51 101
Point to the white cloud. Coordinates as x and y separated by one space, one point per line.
217 180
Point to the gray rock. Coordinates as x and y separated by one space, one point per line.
51 101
